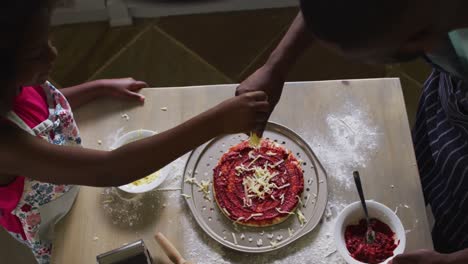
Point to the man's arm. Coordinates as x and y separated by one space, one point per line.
431 257
270 77
291 47
459 257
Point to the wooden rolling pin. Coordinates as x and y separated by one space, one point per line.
170 250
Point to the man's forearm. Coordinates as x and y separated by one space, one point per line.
291 47
460 257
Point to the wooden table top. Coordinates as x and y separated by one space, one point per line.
356 124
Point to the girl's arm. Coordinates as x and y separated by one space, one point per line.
125 88
22 154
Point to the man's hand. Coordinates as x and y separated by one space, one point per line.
422 256
270 78
264 79
125 88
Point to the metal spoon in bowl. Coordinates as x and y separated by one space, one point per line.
370 234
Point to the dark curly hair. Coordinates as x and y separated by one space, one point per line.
351 23
14 18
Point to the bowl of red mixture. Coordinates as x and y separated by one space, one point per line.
351 227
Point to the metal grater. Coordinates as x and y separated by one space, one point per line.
134 253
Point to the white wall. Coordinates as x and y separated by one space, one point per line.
121 12
81 11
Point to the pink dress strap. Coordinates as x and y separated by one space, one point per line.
31 106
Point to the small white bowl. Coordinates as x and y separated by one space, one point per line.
351 216
131 137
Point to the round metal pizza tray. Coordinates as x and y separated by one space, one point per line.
255 239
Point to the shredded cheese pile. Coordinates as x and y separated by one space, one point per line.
254 139
203 186
273 243
283 212
300 217
259 184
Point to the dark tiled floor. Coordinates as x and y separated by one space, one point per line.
229 41
74 43
85 48
160 61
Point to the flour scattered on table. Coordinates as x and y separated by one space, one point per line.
415 224
348 144
126 117
122 211
173 180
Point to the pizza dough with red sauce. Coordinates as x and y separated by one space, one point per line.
258 186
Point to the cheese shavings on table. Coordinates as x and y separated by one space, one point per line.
147 180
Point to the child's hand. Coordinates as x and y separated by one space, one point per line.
126 88
244 113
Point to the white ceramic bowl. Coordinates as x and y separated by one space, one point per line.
351 216
131 137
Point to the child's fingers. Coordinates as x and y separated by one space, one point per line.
135 96
138 85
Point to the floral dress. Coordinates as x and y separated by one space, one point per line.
42 205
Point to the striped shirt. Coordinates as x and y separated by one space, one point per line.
440 139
